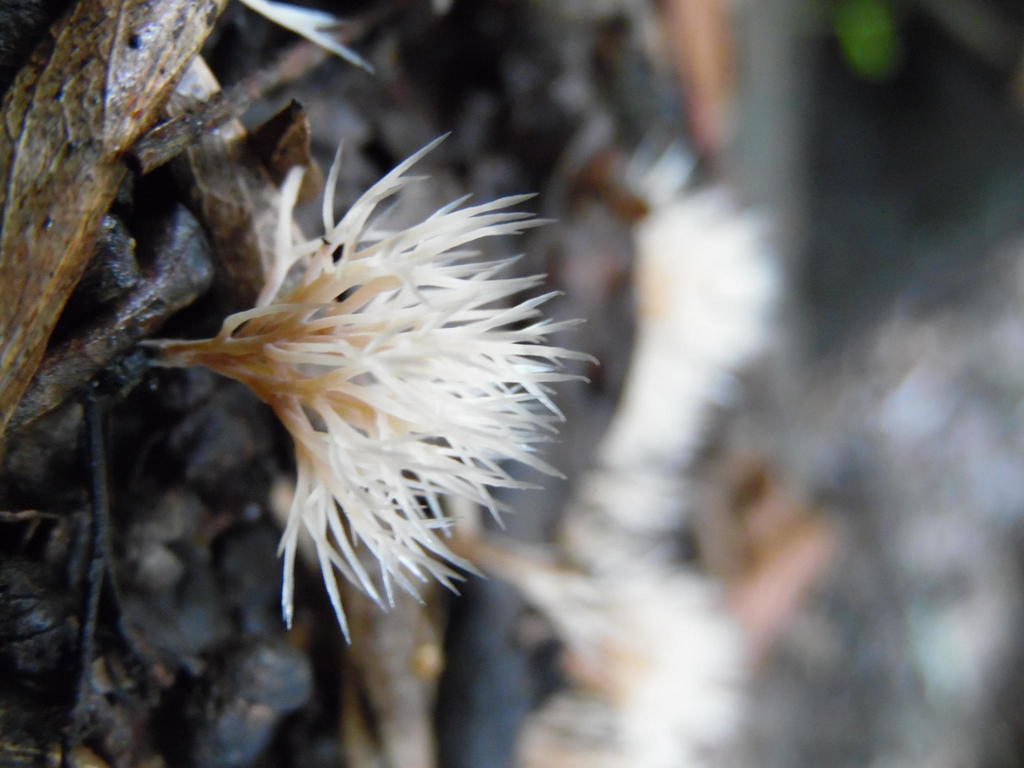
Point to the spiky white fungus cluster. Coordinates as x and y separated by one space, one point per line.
400 371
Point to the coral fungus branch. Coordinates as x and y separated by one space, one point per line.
403 373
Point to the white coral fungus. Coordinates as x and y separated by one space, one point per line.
401 373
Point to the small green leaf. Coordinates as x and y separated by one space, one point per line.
867 36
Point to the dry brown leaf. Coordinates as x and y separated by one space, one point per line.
91 88
284 142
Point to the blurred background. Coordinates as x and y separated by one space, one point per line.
791 532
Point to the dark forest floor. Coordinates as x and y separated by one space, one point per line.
852 505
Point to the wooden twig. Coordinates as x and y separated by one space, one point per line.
96 568
26 515
179 271
169 139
